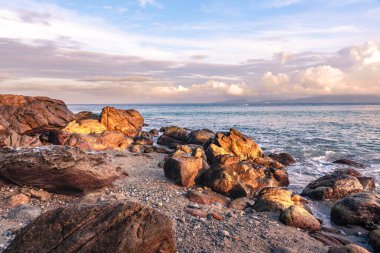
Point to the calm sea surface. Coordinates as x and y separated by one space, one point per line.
315 135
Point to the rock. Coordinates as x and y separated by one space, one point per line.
284 250
196 212
183 169
25 212
18 200
106 227
175 132
40 195
169 141
128 122
235 144
151 149
206 197
58 169
298 217
86 115
374 238
33 115
349 248
154 132
328 239
274 199
216 216
9 138
283 158
337 185
137 149
200 137
349 163
240 203
234 178
86 126
143 141
361 209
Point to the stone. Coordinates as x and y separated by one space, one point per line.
216 216
154 132
240 203
105 227
362 209
86 115
33 115
236 144
200 137
283 158
58 169
18 200
9 138
206 197
176 132
183 169
234 178
40 195
349 163
284 250
86 126
328 239
128 122
25 212
374 239
137 149
273 199
169 141
143 141
336 185
298 217
196 212
349 248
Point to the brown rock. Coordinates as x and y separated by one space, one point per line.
283 158
9 138
143 141
31 115
105 227
274 199
362 209
240 203
284 250
349 163
128 122
234 178
298 217
40 195
169 141
374 238
328 239
216 216
196 212
58 169
154 132
86 115
137 149
18 200
337 185
200 137
349 248
206 197
183 169
86 126
176 133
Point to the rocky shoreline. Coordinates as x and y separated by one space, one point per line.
96 183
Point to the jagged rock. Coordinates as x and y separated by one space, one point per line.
143 141
349 248
362 209
206 197
106 227
183 169
40 195
9 138
58 169
234 178
235 144
128 122
175 132
283 158
31 115
169 141
338 184
18 200
137 149
154 132
298 217
349 163
86 115
374 238
200 137
86 126
274 199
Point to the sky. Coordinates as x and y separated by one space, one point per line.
189 51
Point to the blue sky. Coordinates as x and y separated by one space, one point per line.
197 50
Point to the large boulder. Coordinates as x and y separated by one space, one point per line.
128 122
362 209
338 184
232 177
173 136
86 115
273 199
235 144
298 217
9 138
106 227
283 158
58 169
200 136
33 115
86 126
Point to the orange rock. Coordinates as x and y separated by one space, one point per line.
206 197
216 216
196 212
87 126
18 200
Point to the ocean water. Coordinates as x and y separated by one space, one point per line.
315 135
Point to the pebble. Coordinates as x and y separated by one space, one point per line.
225 233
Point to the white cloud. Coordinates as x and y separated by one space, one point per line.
275 83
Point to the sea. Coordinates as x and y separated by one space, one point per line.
314 134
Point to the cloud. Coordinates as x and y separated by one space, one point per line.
221 88
281 3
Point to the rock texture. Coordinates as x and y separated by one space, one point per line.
86 126
362 209
298 217
337 185
183 169
349 163
57 169
349 248
200 136
283 158
128 122
374 239
234 178
109 227
206 197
